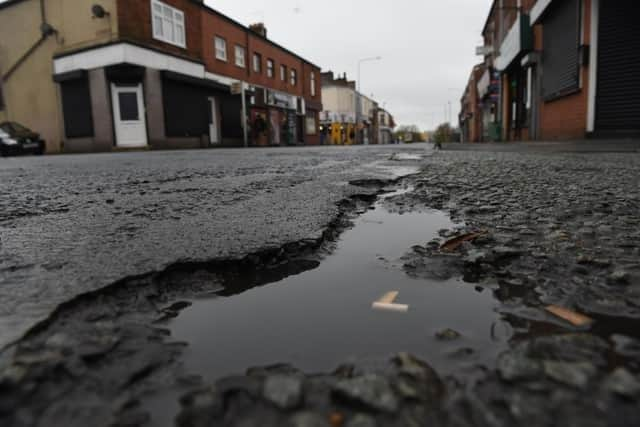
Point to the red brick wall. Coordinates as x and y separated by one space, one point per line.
134 23
280 57
213 25
566 117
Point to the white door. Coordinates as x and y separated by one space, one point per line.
214 129
129 116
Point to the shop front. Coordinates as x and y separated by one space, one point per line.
488 105
127 97
515 82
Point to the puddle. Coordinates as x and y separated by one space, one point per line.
322 318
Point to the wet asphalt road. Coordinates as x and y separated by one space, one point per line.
74 224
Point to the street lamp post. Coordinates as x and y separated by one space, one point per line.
357 97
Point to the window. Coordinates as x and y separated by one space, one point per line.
240 57
283 73
76 108
270 68
221 49
168 24
128 106
294 77
257 63
313 84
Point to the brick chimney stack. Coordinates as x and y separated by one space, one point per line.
259 28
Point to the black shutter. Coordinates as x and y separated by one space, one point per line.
231 115
618 89
76 107
185 109
561 38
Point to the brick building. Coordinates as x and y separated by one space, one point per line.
470 111
114 74
344 122
563 68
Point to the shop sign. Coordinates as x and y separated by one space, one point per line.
483 84
484 50
519 39
236 88
281 100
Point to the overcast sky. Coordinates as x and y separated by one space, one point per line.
427 46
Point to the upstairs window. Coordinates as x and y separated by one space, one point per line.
313 84
294 77
283 73
168 24
257 63
221 48
271 68
240 57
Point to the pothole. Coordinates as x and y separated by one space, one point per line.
323 317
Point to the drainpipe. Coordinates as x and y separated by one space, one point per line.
46 30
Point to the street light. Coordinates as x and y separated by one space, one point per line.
358 101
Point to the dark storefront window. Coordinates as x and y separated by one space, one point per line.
185 107
76 107
561 34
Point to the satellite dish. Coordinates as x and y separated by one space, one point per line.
98 11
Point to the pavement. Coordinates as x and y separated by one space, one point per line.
77 223
578 146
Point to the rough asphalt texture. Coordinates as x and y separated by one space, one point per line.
561 228
74 224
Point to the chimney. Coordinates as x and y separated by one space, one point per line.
259 28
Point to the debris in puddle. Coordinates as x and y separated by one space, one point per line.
453 244
448 335
336 419
576 319
386 303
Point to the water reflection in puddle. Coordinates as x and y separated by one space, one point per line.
322 318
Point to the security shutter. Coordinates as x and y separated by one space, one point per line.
561 37
618 93
185 108
76 107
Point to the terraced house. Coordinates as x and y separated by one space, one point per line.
103 75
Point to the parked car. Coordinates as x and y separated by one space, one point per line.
16 139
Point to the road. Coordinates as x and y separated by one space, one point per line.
533 321
74 224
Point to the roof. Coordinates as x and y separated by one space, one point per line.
209 9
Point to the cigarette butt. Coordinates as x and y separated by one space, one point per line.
398 308
576 319
389 297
